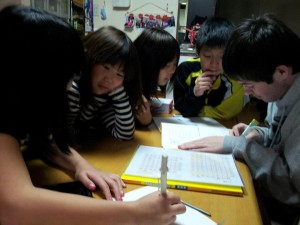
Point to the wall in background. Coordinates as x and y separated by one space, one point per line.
116 16
236 10
4 3
287 11
203 8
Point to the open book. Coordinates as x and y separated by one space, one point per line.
190 217
187 170
173 134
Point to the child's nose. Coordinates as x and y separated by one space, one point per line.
248 90
215 62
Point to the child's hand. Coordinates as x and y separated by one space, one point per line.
212 144
158 209
110 184
204 83
238 129
144 114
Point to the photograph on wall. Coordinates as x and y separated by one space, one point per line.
149 20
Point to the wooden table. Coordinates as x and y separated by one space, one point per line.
114 155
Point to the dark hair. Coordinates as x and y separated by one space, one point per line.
258 46
156 47
214 32
40 53
111 45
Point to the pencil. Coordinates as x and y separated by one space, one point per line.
248 129
196 208
163 176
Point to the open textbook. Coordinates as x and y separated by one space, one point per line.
173 134
190 217
187 170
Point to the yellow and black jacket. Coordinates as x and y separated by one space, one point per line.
225 100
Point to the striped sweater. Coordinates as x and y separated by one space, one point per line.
111 111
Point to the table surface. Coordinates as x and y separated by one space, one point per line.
113 156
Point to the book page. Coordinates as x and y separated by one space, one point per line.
173 135
179 119
190 217
185 166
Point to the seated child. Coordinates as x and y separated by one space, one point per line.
109 88
201 88
159 55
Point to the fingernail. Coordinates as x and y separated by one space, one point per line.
92 186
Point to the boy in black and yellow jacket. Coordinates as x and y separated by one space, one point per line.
201 88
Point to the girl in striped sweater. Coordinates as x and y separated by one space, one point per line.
101 100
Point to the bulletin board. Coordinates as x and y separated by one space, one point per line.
135 15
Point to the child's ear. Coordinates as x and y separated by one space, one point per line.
282 72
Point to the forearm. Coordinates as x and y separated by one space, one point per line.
277 174
22 203
121 122
55 208
74 106
124 126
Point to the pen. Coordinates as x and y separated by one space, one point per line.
163 174
251 124
196 208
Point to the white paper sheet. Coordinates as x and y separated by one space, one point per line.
173 134
190 217
179 119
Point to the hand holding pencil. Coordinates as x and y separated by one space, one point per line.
163 183
158 209
242 129
163 205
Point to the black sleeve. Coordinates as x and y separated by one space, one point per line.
184 99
